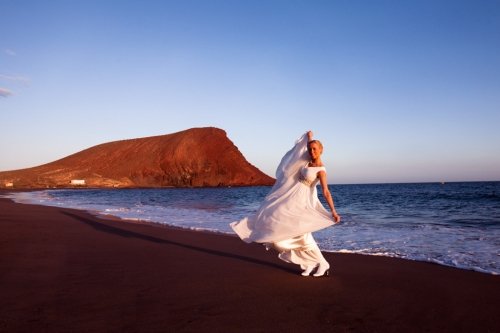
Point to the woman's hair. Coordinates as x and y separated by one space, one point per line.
317 142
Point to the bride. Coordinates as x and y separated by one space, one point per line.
292 210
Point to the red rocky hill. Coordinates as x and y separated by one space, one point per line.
192 158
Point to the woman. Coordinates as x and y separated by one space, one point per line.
292 210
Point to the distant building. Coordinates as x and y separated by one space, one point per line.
77 182
9 184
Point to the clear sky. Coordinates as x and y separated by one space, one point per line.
398 91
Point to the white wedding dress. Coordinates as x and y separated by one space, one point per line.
290 212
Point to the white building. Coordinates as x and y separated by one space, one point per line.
77 182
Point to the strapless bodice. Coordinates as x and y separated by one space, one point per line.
309 175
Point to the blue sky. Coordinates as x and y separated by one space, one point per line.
398 91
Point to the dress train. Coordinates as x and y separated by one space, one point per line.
301 250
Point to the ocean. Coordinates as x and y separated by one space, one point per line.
453 224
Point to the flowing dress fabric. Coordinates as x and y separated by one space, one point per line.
291 210
301 250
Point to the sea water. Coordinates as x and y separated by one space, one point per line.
454 224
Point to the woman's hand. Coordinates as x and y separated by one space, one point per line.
309 135
336 217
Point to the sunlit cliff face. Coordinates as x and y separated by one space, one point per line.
314 150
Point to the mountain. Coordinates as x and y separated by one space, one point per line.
195 157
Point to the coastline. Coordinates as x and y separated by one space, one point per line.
462 247
68 270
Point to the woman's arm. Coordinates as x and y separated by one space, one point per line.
328 196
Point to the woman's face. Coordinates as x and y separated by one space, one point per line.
314 150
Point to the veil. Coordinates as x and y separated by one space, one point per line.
287 173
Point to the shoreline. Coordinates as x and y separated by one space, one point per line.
103 215
112 217
14 189
67 270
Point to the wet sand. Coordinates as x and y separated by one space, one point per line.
64 270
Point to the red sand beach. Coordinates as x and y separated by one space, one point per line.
64 270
